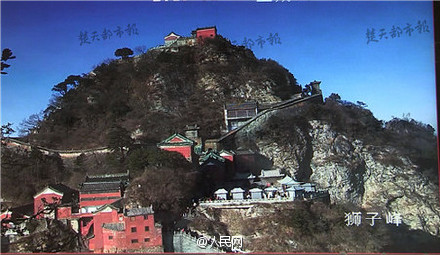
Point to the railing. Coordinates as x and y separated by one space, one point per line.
306 196
246 201
278 106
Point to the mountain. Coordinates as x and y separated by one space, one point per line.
158 93
340 146
365 164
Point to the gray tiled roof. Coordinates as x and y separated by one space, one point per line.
124 177
69 195
139 211
97 187
114 226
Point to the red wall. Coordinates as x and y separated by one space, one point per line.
50 198
96 243
98 202
85 223
113 245
140 223
122 239
64 212
176 140
206 33
228 157
186 151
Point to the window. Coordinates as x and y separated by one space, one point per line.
145 217
147 228
133 229
110 237
134 241
146 239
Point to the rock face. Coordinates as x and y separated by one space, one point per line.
48 236
289 227
375 178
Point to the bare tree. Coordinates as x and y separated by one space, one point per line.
140 49
31 124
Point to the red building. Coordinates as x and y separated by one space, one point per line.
101 214
118 229
205 32
229 162
173 41
100 190
60 195
180 144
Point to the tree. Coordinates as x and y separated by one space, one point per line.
168 184
123 53
31 124
169 190
334 97
72 81
140 158
362 104
7 130
118 139
6 55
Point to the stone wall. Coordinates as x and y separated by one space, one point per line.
184 243
241 135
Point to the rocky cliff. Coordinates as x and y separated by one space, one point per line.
371 167
357 172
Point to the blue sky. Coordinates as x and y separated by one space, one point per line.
323 41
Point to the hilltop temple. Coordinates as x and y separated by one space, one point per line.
173 41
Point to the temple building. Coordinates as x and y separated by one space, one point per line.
101 215
100 190
118 229
204 33
174 41
180 144
239 113
64 198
